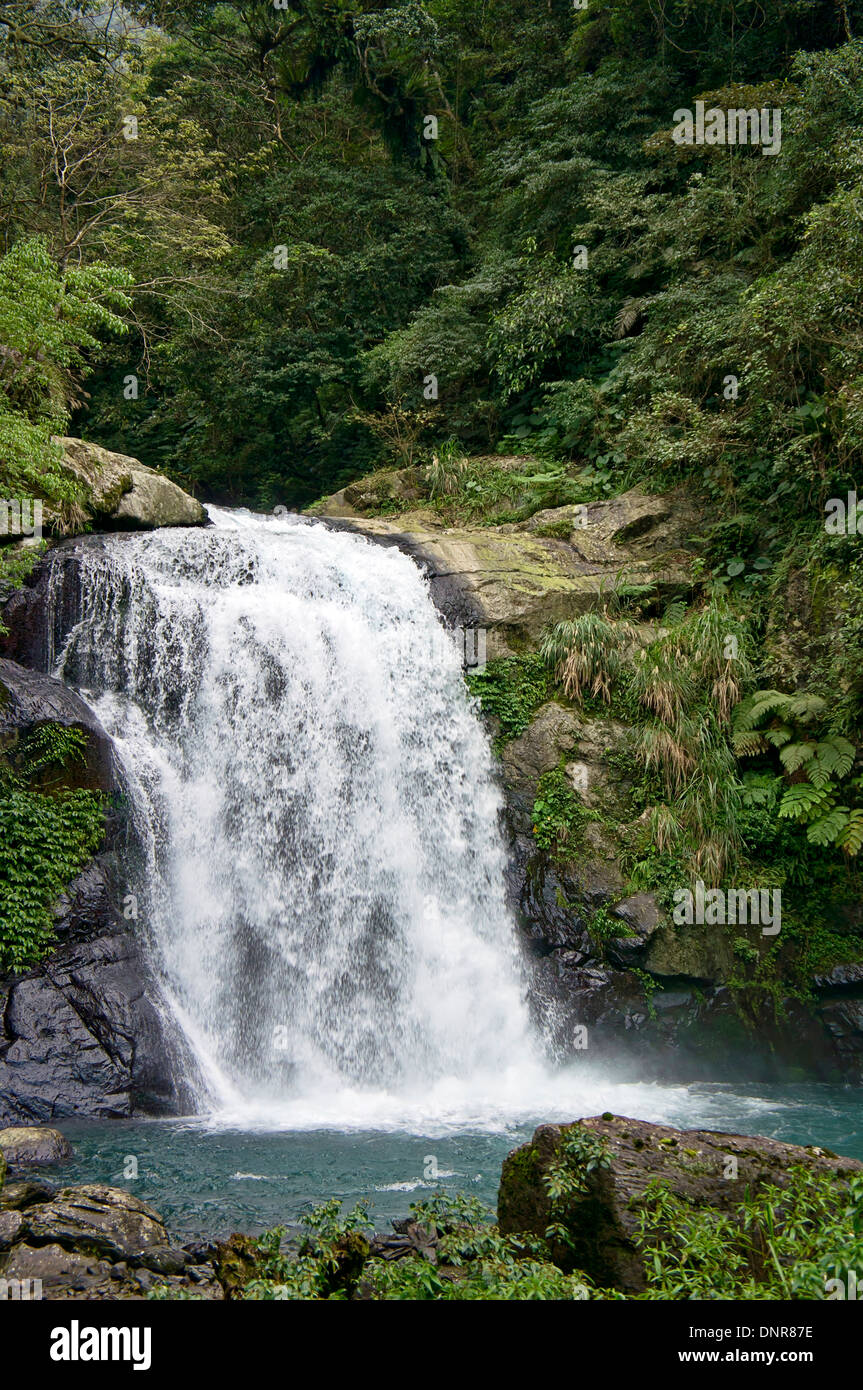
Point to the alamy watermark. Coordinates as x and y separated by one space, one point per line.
713 126
20 1290
21 517
844 1289
720 907
844 516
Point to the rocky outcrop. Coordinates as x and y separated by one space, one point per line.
120 493
652 989
513 579
82 1033
29 699
704 1168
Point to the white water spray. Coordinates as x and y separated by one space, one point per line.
324 891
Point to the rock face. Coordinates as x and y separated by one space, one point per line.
123 494
706 1168
513 579
653 990
31 1146
83 1033
29 699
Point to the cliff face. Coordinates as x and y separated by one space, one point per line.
613 973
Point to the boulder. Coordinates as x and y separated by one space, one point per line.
107 1222
61 1273
704 1167
11 1222
31 1146
642 917
123 494
15 1196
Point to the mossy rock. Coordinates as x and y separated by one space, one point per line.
237 1261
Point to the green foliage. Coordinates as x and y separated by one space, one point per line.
815 765
511 690
679 691
467 1260
47 834
558 815
778 1243
407 256
585 654
446 470
48 320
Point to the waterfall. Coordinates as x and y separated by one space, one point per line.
322 883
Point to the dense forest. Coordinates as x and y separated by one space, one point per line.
268 247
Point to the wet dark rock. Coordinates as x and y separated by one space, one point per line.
641 916
82 1035
843 1020
841 977
87 908
29 699
164 1259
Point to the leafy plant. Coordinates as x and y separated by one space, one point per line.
558 814
584 654
814 765
48 834
511 689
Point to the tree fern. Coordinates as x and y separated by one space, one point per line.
751 711
794 755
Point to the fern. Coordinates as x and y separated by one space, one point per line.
804 707
748 745
836 756
752 710
827 829
794 755
802 801
852 836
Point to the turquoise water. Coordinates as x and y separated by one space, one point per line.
208 1181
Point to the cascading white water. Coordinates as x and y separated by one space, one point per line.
324 889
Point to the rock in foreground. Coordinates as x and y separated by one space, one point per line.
704 1167
93 1242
